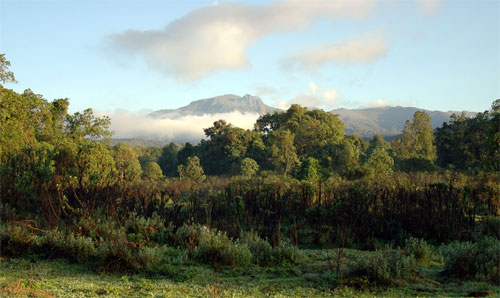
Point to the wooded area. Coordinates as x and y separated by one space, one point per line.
240 196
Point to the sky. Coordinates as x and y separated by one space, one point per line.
128 57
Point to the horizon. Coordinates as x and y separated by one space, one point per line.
153 55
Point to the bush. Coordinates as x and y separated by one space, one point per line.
143 230
216 249
287 253
467 260
381 268
261 249
15 240
420 249
76 248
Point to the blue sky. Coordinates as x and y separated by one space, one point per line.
149 55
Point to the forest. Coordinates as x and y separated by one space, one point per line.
293 192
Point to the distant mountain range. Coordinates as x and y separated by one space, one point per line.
386 121
218 105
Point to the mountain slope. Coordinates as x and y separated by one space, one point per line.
216 105
386 121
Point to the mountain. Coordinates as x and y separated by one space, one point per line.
216 105
386 121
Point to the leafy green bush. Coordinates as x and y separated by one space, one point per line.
145 230
15 240
479 260
287 253
216 249
261 249
420 249
381 268
76 248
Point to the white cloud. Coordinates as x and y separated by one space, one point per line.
326 98
364 49
188 128
217 36
430 6
382 103
313 87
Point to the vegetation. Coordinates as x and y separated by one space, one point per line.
250 201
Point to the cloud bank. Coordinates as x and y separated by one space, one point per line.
316 97
188 128
218 36
364 49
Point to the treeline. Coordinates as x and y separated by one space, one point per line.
296 175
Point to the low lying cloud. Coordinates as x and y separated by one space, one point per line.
364 49
382 103
316 97
188 128
218 36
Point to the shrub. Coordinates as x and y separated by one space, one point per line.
420 249
143 230
287 253
467 260
381 268
76 248
261 249
216 249
15 240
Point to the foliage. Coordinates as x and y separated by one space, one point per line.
6 76
420 249
470 143
152 171
216 249
127 163
479 260
381 268
417 141
248 167
192 170
261 249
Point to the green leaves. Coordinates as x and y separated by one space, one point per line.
192 170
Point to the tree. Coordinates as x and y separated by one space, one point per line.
417 140
6 76
127 164
169 160
248 167
152 171
95 166
380 162
470 143
309 170
283 153
192 170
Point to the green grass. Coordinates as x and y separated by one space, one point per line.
20 277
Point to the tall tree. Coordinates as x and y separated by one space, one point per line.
417 140
192 170
169 160
127 164
283 153
6 76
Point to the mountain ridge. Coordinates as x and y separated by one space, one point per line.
218 105
387 121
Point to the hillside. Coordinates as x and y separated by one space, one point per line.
218 105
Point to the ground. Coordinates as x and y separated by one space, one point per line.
31 277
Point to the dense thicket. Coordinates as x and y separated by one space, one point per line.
296 175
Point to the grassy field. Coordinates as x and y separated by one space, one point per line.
315 277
